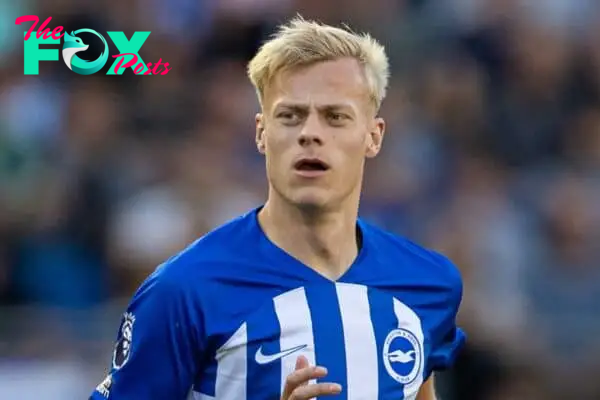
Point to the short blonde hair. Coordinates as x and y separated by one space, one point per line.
302 43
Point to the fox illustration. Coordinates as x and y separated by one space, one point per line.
73 45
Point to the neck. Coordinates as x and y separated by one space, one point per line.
326 241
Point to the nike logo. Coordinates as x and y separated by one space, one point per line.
262 358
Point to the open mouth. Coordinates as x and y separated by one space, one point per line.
311 164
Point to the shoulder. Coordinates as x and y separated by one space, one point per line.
401 254
214 253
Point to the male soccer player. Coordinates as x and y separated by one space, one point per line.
299 298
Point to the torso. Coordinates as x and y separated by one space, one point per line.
371 343
373 329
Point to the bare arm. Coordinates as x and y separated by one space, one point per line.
427 391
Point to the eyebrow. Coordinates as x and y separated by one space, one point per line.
304 108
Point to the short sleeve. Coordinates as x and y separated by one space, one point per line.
159 343
445 351
447 338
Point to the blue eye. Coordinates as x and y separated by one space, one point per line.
288 117
337 118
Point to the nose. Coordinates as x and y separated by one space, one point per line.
311 133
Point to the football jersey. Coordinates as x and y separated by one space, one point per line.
227 318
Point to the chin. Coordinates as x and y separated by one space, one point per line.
311 200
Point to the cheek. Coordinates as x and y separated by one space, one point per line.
277 155
352 152
354 165
273 149
280 143
274 142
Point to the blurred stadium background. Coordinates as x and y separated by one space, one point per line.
492 156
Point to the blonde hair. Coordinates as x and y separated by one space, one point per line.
302 43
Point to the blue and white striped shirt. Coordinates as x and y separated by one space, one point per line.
227 318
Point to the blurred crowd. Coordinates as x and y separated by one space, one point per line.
492 156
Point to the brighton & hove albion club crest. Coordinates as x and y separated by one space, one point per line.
402 356
123 346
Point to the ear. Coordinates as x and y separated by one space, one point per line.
260 133
375 138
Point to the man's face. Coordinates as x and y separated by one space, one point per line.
318 126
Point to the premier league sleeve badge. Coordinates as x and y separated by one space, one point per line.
123 345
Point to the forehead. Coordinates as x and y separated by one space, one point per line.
330 82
